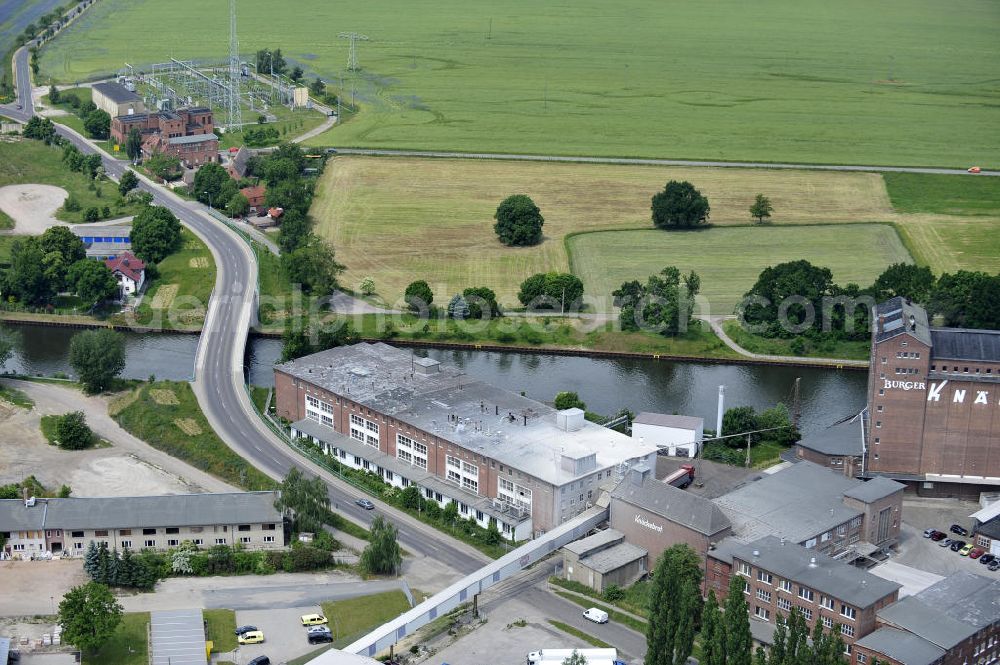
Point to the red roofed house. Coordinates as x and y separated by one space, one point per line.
129 271
255 195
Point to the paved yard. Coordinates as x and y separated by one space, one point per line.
923 553
284 634
36 587
914 581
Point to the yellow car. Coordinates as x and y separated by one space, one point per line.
313 619
251 637
965 550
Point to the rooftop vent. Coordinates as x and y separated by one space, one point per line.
570 420
426 366
812 562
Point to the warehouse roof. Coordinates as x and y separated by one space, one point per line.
816 570
898 316
948 612
598 540
675 504
665 420
901 646
963 344
116 92
874 489
843 438
143 511
613 558
193 138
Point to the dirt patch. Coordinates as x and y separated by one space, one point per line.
188 426
33 587
162 396
122 402
32 207
198 262
164 296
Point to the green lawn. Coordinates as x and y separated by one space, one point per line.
849 82
352 618
221 629
854 350
289 123
28 161
944 194
128 646
728 260
74 121
16 397
178 298
166 415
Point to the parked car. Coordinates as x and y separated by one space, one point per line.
987 559
962 531
312 619
366 504
976 552
245 629
318 629
251 637
595 615
956 545
260 660
946 542
994 565
965 551
939 535
320 638
929 532
972 169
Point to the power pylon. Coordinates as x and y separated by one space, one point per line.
352 56
235 110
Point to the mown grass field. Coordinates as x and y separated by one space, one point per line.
178 297
405 219
944 194
351 618
894 82
128 646
728 260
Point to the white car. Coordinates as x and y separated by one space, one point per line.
595 615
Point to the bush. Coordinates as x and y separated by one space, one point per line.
72 431
92 214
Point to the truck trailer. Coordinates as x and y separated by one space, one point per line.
682 477
557 656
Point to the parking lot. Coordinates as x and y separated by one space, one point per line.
284 634
925 554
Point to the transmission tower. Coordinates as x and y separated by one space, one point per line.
352 56
233 96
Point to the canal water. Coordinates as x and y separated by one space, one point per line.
605 384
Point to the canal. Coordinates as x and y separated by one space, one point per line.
605 384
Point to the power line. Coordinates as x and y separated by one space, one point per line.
233 98
352 56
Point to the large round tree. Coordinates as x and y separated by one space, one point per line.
519 221
156 234
679 205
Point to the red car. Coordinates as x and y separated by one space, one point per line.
974 169
976 552
938 536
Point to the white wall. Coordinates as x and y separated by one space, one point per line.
667 437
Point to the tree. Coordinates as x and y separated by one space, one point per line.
679 205
674 601
156 234
53 94
761 208
133 144
92 214
382 555
713 635
90 560
92 281
736 619
665 303
458 308
163 166
128 182
482 302
98 124
317 87
306 500
967 300
552 290
519 221
787 298
778 417
313 266
569 400
575 658
27 278
737 420
238 206
296 74
97 357
418 296
367 286
89 615
72 431
41 129
92 165
208 182
906 280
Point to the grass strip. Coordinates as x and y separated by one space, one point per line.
128 645
354 617
637 625
221 629
576 632
16 397
634 601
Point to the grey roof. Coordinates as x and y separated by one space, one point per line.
875 489
117 92
601 539
677 505
177 637
240 161
113 230
724 549
613 558
443 401
990 528
895 316
193 138
15 516
816 570
665 420
843 438
799 502
950 611
963 344
143 511
902 646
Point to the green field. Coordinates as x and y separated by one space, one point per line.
894 82
178 297
352 618
730 259
944 194
128 646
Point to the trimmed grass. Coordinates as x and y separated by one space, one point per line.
729 260
221 629
290 123
156 423
16 397
849 82
29 161
407 219
178 298
635 600
74 121
351 618
944 194
579 634
852 350
128 646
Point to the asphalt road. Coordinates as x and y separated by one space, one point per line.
219 364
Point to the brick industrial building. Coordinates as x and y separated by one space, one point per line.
933 417
502 457
187 133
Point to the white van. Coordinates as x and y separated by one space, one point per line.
595 615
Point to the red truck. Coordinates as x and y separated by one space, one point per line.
682 477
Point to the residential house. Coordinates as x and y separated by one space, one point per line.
129 272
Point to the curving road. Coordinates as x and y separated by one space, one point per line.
219 363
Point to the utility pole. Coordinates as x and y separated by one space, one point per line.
352 55
796 402
235 112
489 31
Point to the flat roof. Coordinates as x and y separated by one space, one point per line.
613 558
445 402
965 344
599 539
666 420
797 503
116 92
816 570
143 511
116 230
842 438
901 646
193 138
177 637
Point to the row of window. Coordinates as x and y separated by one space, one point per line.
765 614
965 370
805 592
171 542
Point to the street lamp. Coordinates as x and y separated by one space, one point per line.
209 194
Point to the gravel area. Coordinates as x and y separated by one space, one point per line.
32 207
